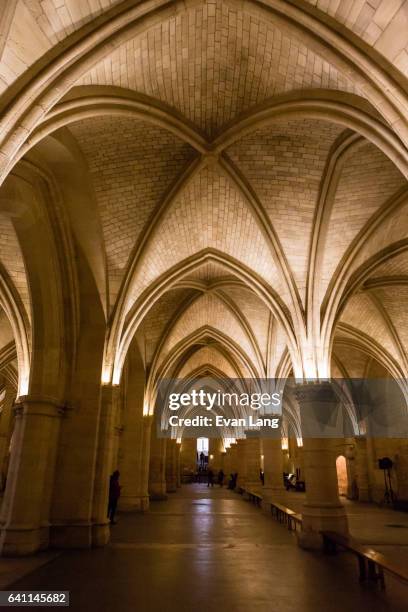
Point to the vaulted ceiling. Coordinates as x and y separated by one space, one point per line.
232 183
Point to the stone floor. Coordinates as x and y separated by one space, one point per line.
208 550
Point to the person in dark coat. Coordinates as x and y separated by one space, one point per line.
210 478
220 478
114 494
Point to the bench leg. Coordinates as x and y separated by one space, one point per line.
381 578
329 547
362 568
376 574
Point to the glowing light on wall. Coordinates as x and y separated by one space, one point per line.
299 441
23 384
285 444
116 376
228 442
178 441
106 375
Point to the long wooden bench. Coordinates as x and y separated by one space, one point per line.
371 563
285 515
255 498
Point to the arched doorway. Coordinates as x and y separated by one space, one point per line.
202 452
342 479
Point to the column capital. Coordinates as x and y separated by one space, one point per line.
315 391
41 405
109 388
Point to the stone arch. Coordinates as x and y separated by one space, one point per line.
174 276
83 53
342 475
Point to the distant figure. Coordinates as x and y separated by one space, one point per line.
220 478
210 478
262 476
202 459
114 494
233 481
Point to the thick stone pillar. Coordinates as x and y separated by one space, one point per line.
157 467
5 432
110 395
322 509
178 464
215 454
26 506
226 464
171 465
147 428
241 464
252 464
134 442
361 469
134 464
233 452
273 469
188 455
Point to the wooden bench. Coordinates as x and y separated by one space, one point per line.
371 563
255 498
285 515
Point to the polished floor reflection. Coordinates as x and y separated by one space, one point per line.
207 549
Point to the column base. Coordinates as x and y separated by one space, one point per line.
270 495
158 496
134 503
171 487
363 495
71 536
310 540
100 534
253 487
16 542
321 518
157 490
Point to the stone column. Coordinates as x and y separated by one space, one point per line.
322 509
361 469
134 444
145 462
110 395
171 466
178 464
215 451
252 464
233 452
273 488
134 465
6 422
241 464
157 467
27 500
188 458
226 464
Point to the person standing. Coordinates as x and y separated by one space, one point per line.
220 478
114 494
210 478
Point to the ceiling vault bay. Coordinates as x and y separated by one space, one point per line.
246 169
